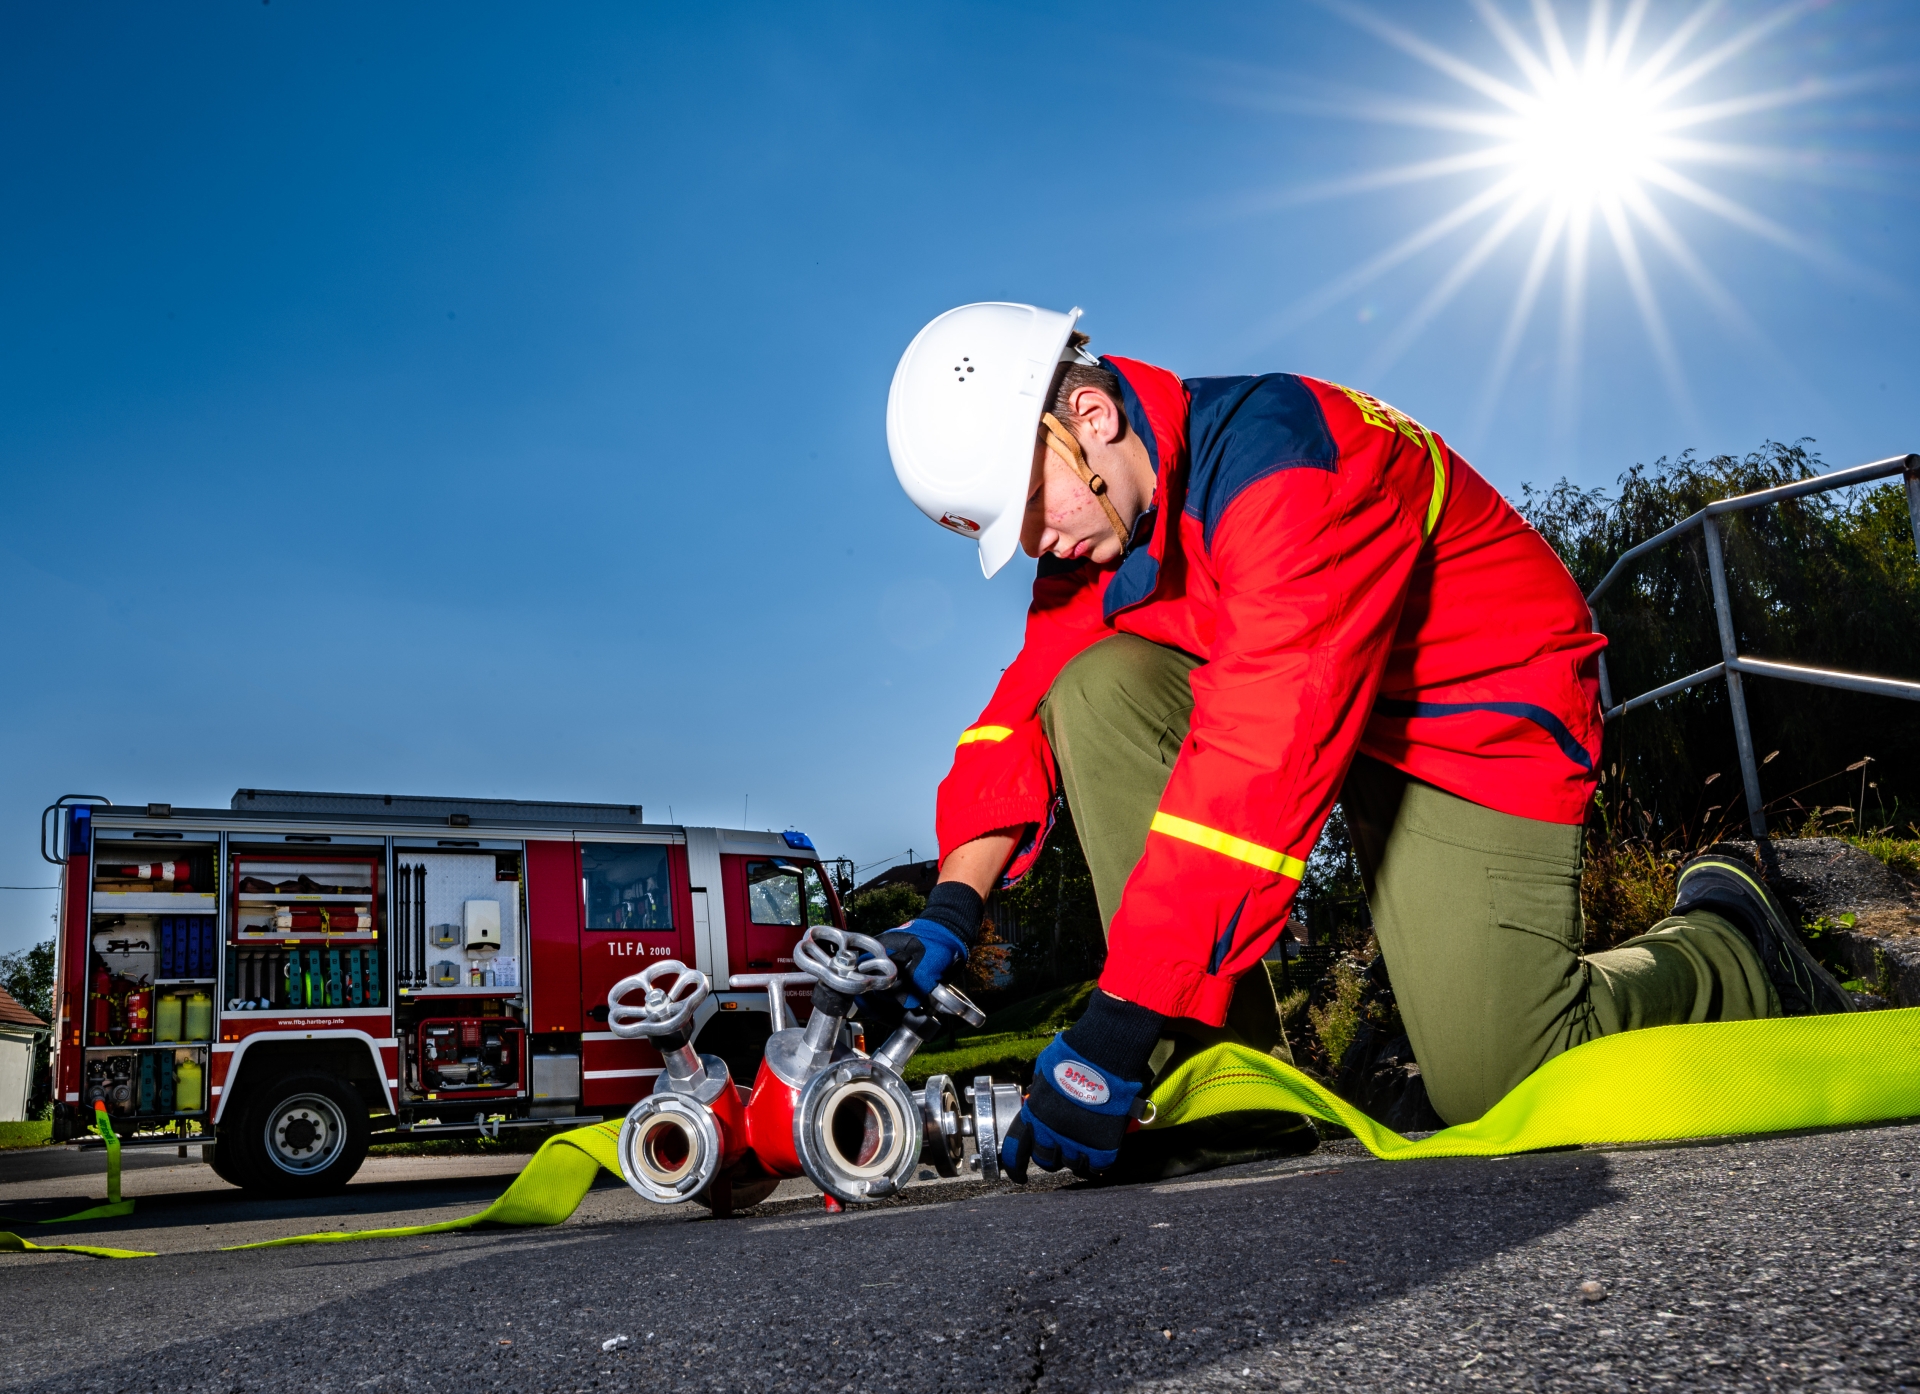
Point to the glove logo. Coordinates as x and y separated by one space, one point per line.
1079 1083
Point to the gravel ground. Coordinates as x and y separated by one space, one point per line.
1783 1262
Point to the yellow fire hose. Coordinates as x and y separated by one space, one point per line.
548 1189
114 1207
1666 1083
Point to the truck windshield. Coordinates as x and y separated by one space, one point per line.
625 886
780 893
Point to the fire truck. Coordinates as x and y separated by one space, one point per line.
282 980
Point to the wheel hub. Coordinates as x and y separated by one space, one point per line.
306 1135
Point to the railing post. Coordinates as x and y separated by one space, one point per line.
1730 654
1912 478
1593 618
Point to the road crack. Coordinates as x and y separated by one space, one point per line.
1044 1311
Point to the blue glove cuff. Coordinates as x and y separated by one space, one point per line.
1084 1084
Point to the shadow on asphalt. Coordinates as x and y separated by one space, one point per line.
223 1205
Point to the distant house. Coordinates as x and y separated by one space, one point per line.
23 1039
922 876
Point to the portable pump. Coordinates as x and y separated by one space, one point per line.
818 1107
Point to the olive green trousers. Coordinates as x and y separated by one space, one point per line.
1477 912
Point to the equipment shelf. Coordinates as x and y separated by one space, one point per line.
106 902
305 938
303 898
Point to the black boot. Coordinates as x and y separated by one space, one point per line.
1732 889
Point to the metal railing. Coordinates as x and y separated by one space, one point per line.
1733 665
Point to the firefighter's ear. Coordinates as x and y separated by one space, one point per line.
1096 416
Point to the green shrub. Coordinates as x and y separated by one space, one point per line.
1337 1019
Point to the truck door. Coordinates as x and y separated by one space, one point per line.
553 931
636 909
773 901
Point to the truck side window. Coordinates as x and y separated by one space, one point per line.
626 886
773 894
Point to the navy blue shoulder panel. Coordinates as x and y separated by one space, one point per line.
1240 430
1136 416
1132 583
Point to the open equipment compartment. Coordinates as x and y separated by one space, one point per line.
152 980
458 918
305 933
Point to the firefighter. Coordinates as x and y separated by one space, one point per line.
1256 596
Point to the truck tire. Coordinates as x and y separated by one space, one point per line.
304 1135
228 1160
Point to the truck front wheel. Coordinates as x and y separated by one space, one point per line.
229 1161
305 1135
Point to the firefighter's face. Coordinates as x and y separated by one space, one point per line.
1062 516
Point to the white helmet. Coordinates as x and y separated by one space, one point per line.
964 414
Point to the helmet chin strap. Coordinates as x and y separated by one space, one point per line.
1066 445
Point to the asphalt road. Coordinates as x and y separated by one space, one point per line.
1783 1262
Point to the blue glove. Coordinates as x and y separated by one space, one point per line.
925 949
1077 1110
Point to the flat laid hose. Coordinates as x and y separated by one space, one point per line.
1665 1083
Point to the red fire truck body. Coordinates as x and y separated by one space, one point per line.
285 976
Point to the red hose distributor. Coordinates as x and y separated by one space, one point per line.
818 1108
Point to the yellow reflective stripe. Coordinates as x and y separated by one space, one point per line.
983 733
1228 845
1439 483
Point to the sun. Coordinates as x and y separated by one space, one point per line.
1591 135
1591 138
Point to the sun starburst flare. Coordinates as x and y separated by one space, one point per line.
1583 145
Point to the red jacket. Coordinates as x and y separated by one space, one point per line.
1353 587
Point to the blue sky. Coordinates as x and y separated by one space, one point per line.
488 399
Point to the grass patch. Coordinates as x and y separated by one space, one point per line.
1626 888
1007 1043
1005 1057
1900 854
1042 1015
26 1134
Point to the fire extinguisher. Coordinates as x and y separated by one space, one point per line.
139 1018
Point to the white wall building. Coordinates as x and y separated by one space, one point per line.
21 1039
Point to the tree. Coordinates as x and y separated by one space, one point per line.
1053 913
883 908
28 976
